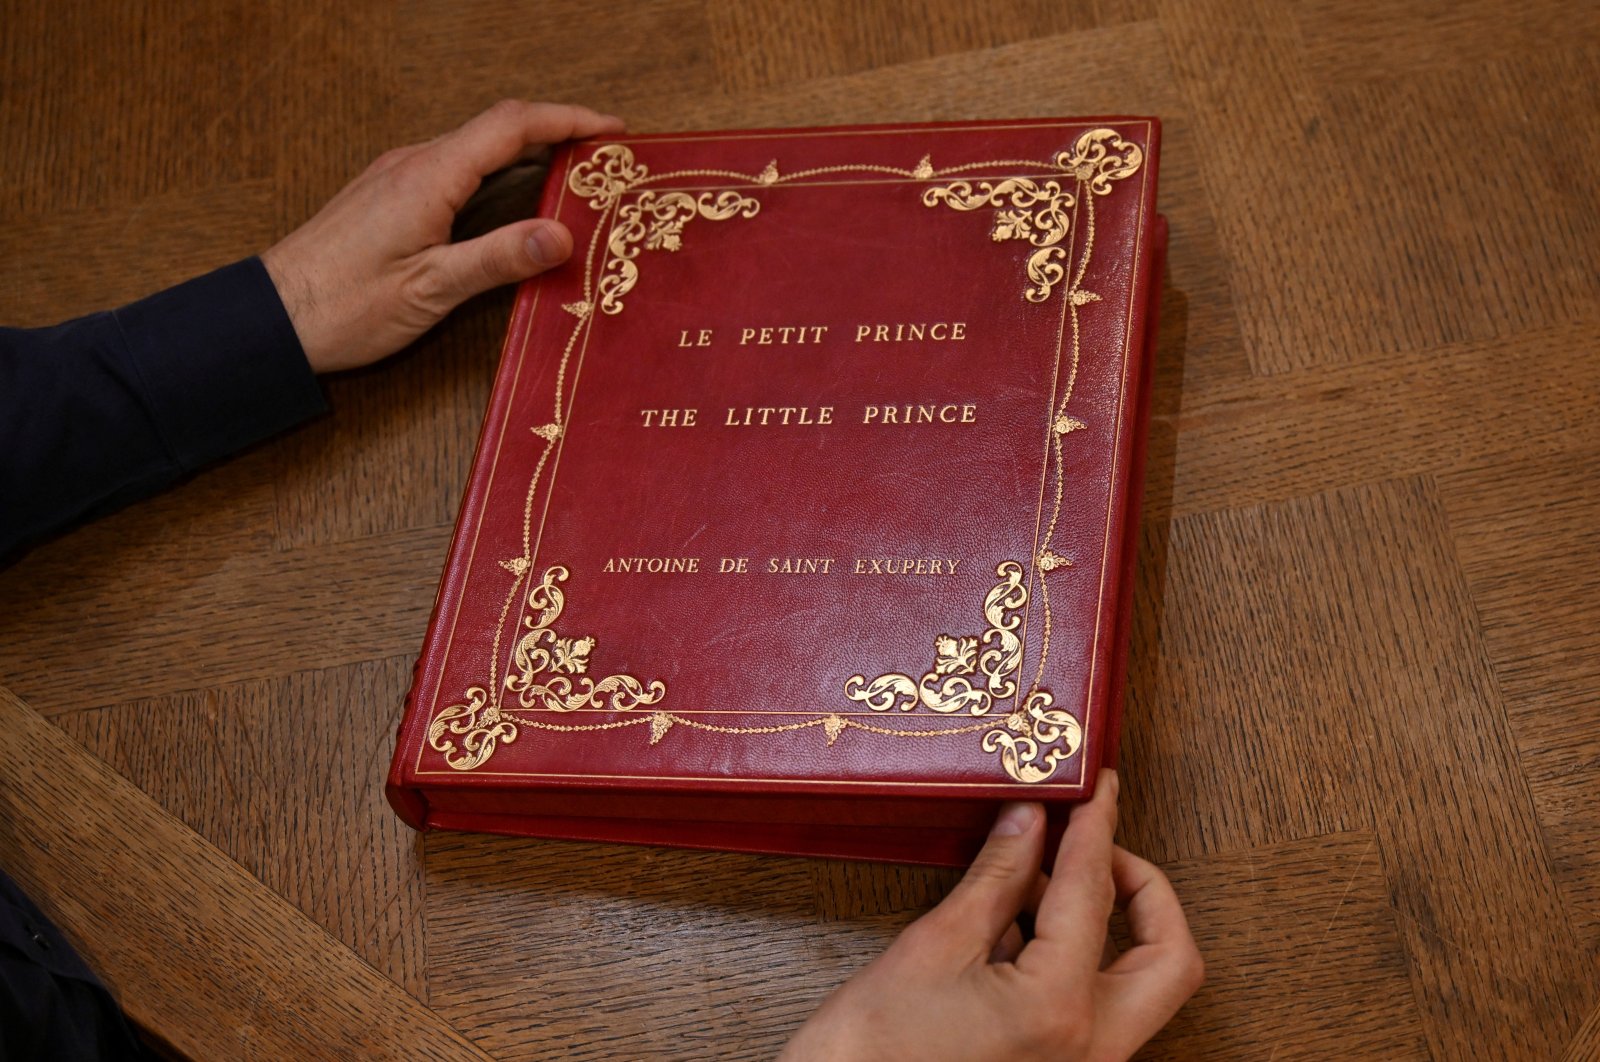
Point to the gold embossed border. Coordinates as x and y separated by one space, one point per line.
655 221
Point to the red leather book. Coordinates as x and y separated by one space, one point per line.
803 514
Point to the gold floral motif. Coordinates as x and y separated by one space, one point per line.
954 655
654 222
548 432
1049 560
1027 210
946 687
579 309
770 174
1039 739
479 726
1099 157
924 168
605 175
1040 211
544 662
1066 425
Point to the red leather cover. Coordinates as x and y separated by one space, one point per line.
802 515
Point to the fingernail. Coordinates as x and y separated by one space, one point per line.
1109 779
1014 819
545 247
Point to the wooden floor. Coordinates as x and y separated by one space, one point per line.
1364 719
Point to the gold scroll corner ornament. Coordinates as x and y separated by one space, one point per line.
1040 212
971 673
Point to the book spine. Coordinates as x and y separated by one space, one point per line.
1135 500
1131 445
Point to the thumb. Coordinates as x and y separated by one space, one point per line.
504 256
986 900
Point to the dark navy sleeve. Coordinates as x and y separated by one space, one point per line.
105 409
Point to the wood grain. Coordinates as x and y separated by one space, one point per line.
541 948
285 776
1302 954
1585 1047
1363 730
239 973
1527 536
1363 694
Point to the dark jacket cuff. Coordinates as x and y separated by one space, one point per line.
220 363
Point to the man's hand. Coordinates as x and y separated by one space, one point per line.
375 268
961 984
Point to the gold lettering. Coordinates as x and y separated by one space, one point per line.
905 566
776 416
733 565
669 418
799 565
912 332
746 335
705 337
969 414
652 565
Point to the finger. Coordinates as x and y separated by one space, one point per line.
987 898
1108 953
1071 924
1041 883
1010 945
504 256
1155 917
501 134
1145 985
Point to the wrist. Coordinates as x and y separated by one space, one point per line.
299 303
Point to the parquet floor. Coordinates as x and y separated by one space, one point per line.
1364 718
